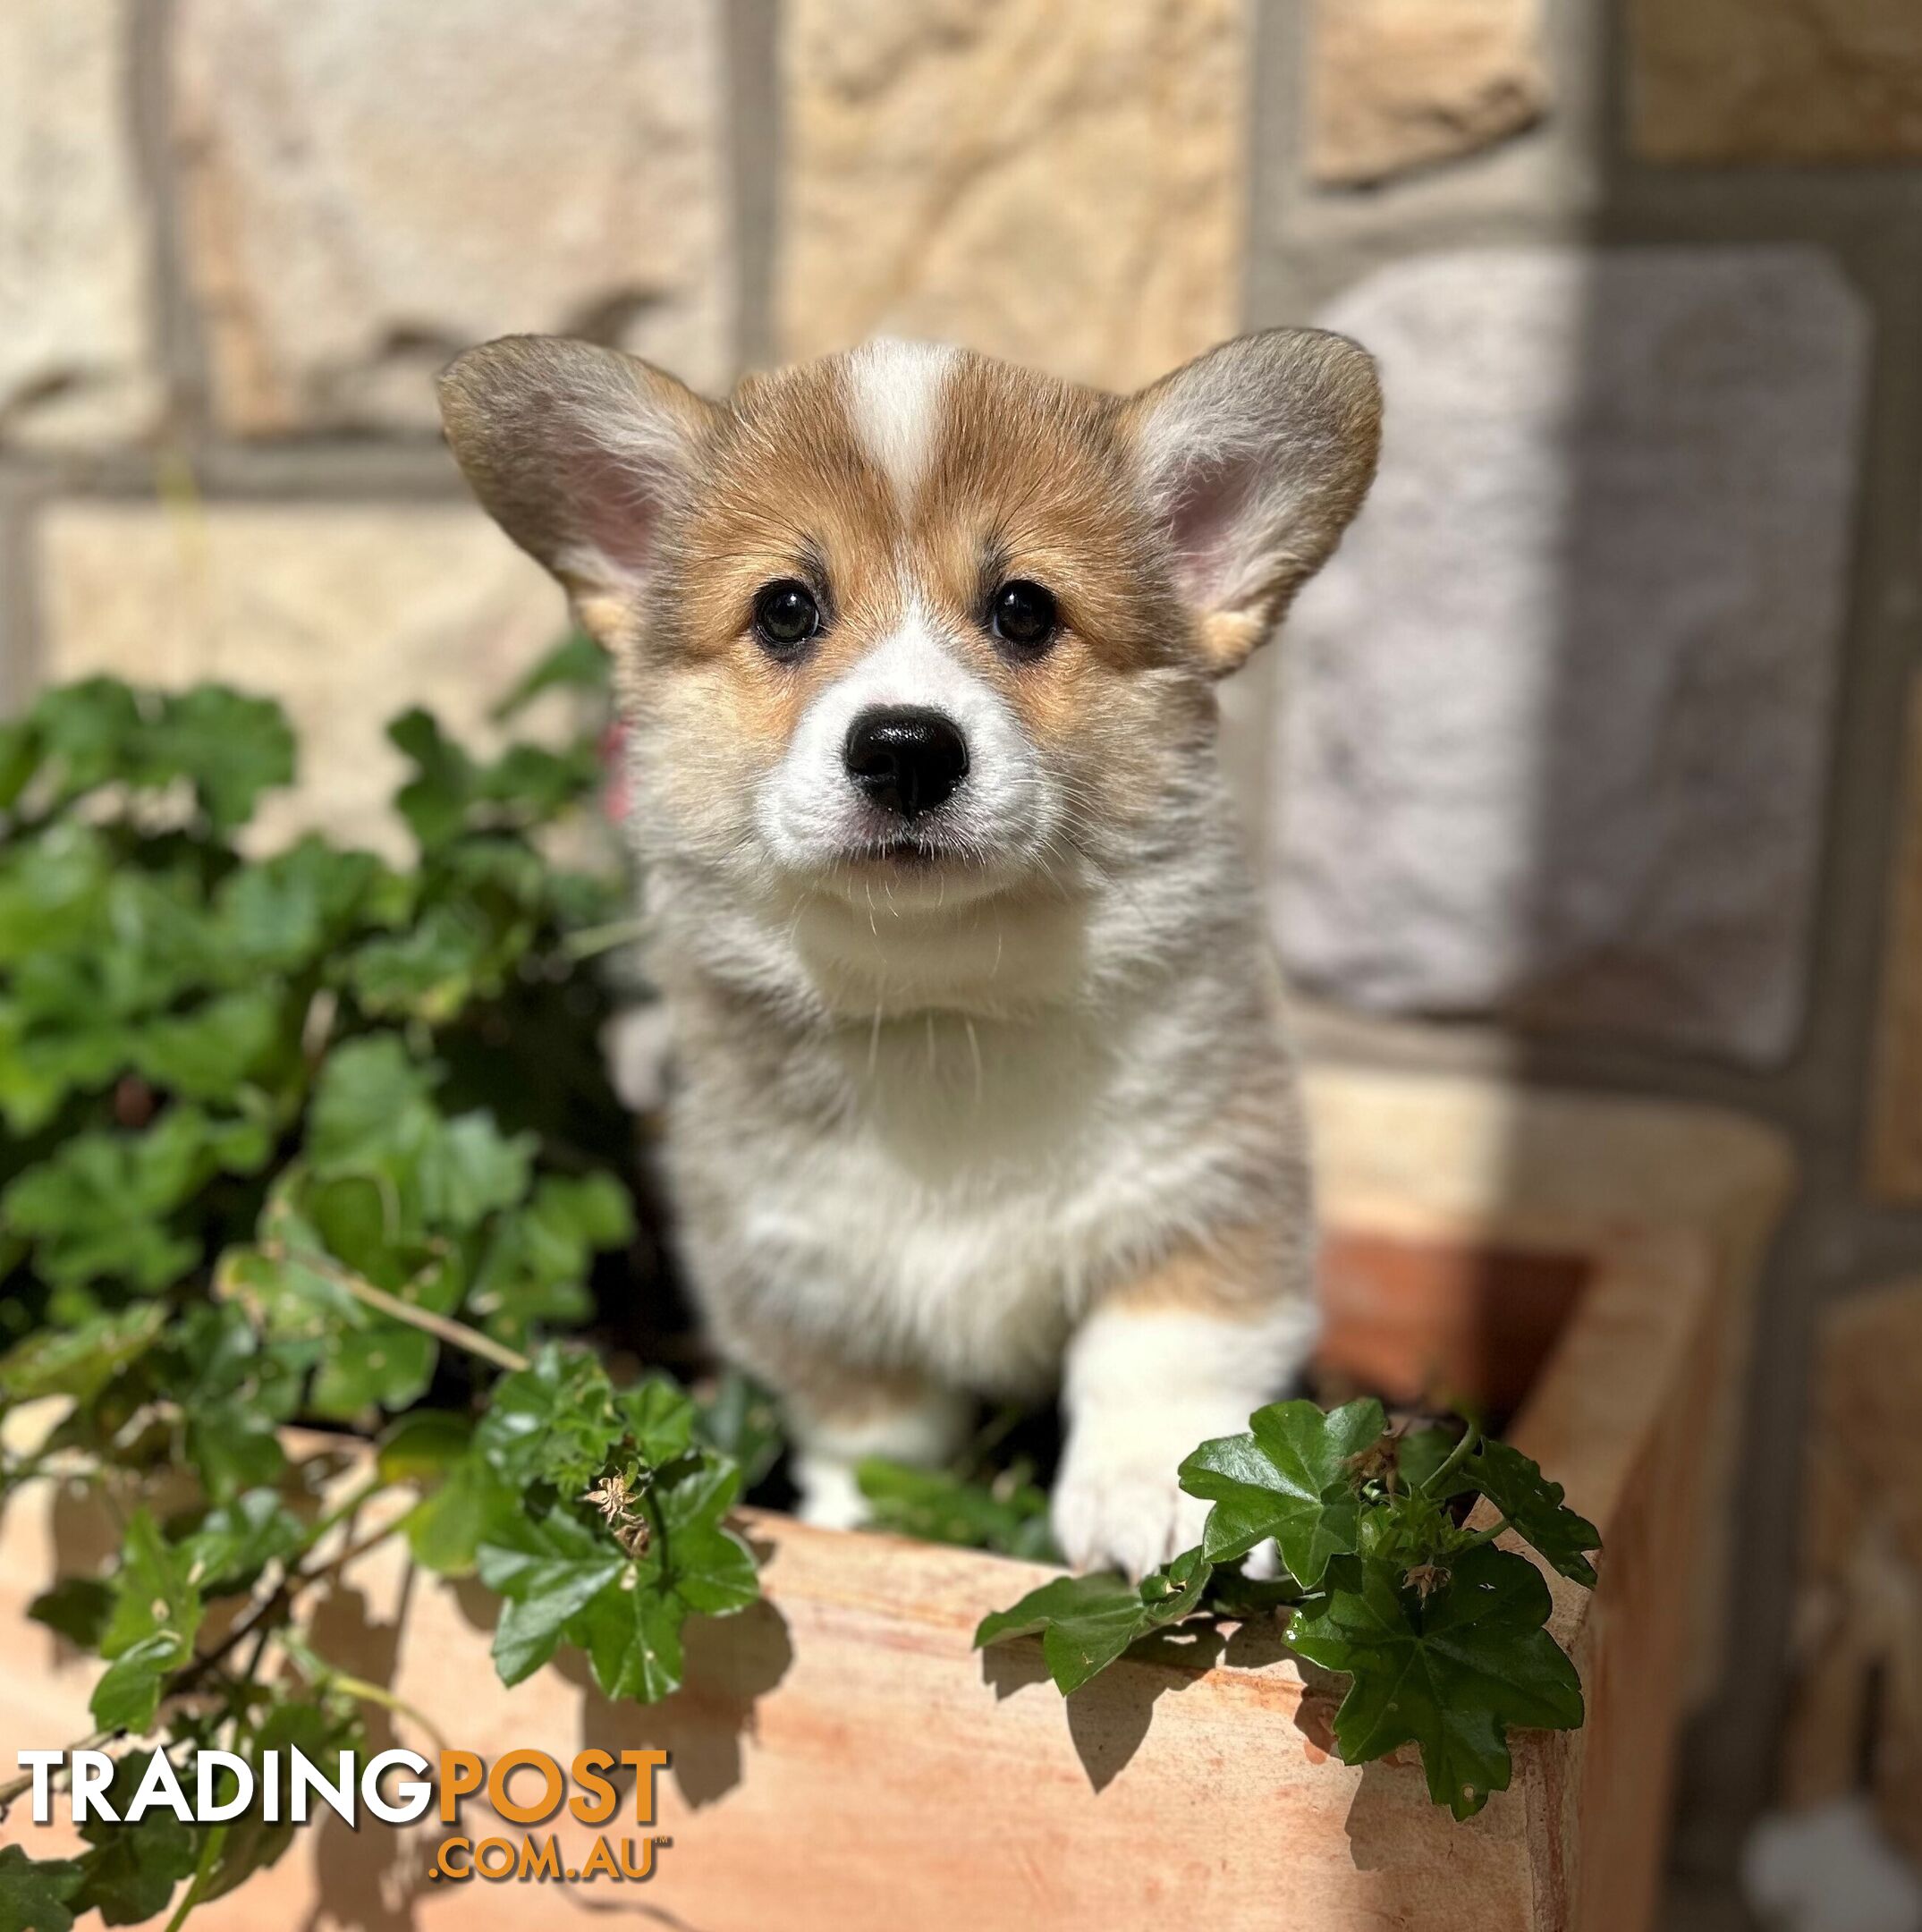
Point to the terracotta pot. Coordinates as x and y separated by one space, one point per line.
841 1759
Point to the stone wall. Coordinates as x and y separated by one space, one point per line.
1587 760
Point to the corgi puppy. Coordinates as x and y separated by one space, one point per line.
984 1082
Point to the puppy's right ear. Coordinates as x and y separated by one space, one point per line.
578 453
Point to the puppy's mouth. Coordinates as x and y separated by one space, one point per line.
906 851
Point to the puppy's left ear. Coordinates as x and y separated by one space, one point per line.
1254 457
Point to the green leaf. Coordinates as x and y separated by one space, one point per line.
99 1208
1291 1478
88 731
230 746
153 1593
1086 1622
236 1541
632 1637
741 1419
659 1415
1534 1507
207 1054
372 1109
471 1168
576 663
374 1117
429 972
132 1870
127 1697
554 1421
712 1570
1449 1673
233 1448
36 1894
79 1361
385 1365
234 1392
1419 1455
434 802
547 1570
1008 1515
251 1843
19 759
444 1530
77 1607
423 1445
286 912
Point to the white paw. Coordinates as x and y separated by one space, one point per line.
1118 1507
830 1497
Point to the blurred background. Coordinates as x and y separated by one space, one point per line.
1592 760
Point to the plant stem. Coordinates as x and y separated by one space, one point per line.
586 941
443 1327
203 1870
1471 1434
373 1693
1482 1536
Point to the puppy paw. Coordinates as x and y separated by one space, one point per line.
830 1497
1118 1507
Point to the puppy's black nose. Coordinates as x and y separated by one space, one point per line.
907 759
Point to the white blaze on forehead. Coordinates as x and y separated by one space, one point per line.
894 396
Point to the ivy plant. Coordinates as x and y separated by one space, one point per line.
1441 1633
312 1137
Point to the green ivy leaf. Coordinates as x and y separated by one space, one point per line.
100 1208
79 1361
1534 1506
229 747
1086 1622
547 1570
236 1541
385 1365
444 1530
374 1118
207 1054
576 663
434 802
152 1590
89 732
1449 1673
632 1635
36 1894
428 972
132 1869
1419 1455
286 912
423 1445
937 1506
660 1418
1291 1478
554 1421
127 1697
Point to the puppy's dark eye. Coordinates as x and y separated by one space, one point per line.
785 616
1024 617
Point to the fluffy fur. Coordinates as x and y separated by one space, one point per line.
1014 1108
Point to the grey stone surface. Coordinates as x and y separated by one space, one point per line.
1556 734
370 186
76 345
